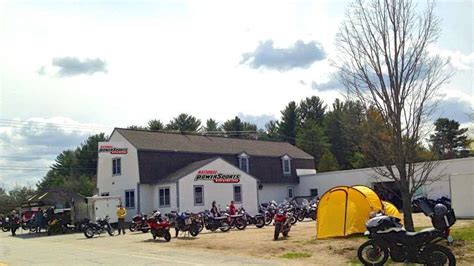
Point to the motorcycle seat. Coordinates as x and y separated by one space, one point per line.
235 216
424 231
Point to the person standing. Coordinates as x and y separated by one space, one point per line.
14 218
39 219
214 210
121 213
232 208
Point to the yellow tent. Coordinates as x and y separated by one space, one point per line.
390 210
345 210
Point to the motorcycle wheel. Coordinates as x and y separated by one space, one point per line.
277 231
167 236
132 227
240 223
260 222
153 234
89 232
200 226
370 253
145 230
5 228
313 215
438 255
285 233
193 229
268 219
111 231
293 220
32 229
24 227
300 217
225 227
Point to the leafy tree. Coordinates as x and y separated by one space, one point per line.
384 61
155 124
288 125
235 128
342 126
447 137
211 126
135 127
184 123
328 162
86 155
311 139
312 108
271 131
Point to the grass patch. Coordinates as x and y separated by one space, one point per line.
464 233
295 255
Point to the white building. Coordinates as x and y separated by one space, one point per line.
168 171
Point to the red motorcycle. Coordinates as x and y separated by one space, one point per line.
159 227
282 223
139 222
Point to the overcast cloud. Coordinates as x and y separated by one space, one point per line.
300 55
72 66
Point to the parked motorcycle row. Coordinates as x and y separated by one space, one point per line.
282 215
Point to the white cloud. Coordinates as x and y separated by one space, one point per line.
457 59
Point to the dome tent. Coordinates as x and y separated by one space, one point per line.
345 210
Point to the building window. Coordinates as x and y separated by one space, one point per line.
198 195
313 192
238 193
286 165
130 198
116 166
291 191
164 200
244 162
105 194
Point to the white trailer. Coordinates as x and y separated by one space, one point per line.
462 194
100 206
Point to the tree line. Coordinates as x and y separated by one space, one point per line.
339 138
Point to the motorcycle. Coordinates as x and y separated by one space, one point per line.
56 225
258 220
5 225
213 223
100 227
307 210
236 221
159 227
387 237
268 211
282 223
139 223
184 222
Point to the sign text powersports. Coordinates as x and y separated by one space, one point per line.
216 177
112 150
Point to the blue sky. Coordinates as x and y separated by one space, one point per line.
94 65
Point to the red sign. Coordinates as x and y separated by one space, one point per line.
217 177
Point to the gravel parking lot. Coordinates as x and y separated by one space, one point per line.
251 246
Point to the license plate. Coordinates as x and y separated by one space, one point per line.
188 221
450 239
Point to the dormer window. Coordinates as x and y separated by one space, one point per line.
244 162
286 164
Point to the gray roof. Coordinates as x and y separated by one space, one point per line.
186 170
163 141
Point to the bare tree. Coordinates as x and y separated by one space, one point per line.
383 61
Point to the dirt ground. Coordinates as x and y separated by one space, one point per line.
336 251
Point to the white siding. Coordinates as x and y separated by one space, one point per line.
462 190
276 192
221 193
173 199
116 185
326 181
147 194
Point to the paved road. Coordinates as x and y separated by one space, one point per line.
131 249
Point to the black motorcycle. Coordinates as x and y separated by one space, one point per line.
387 237
268 210
258 220
236 221
5 225
213 223
100 227
184 222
